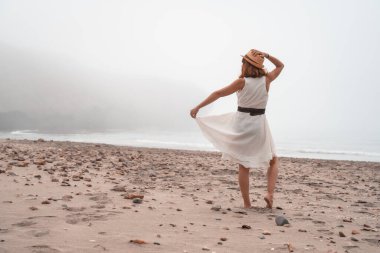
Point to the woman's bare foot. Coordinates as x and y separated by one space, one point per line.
247 207
269 200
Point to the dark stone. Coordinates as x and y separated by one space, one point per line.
137 200
281 221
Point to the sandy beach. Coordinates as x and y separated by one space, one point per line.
80 197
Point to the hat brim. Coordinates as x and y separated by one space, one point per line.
252 62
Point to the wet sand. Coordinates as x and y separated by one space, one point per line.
80 197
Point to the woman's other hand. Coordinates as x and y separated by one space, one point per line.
193 112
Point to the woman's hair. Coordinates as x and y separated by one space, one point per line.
248 70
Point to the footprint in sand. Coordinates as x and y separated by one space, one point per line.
73 208
100 198
4 231
25 223
42 249
38 233
84 217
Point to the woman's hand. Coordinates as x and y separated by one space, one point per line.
264 54
193 112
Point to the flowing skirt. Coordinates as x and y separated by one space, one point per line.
240 137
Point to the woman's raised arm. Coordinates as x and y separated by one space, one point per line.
228 90
279 67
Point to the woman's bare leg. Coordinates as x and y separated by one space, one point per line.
272 178
244 185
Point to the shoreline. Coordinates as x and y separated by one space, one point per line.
63 196
175 149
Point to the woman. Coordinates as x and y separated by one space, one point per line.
244 136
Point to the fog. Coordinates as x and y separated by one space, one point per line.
98 65
51 95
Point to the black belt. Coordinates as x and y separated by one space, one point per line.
252 111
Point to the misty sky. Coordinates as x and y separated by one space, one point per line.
161 58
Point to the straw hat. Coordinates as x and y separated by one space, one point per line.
255 58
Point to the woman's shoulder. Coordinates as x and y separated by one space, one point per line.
240 81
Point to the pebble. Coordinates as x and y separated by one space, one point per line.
354 239
281 221
38 176
246 227
302 230
65 183
33 208
341 234
118 188
290 247
22 164
137 241
205 248
216 208
39 162
262 237
133 196
223 239
137 200
98 206
45 202
355 232
266 233
67 197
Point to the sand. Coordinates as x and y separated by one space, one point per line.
77 197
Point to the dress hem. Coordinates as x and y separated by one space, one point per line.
249 164
247 161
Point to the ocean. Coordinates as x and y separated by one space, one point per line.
360 150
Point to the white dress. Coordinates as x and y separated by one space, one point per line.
240 137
